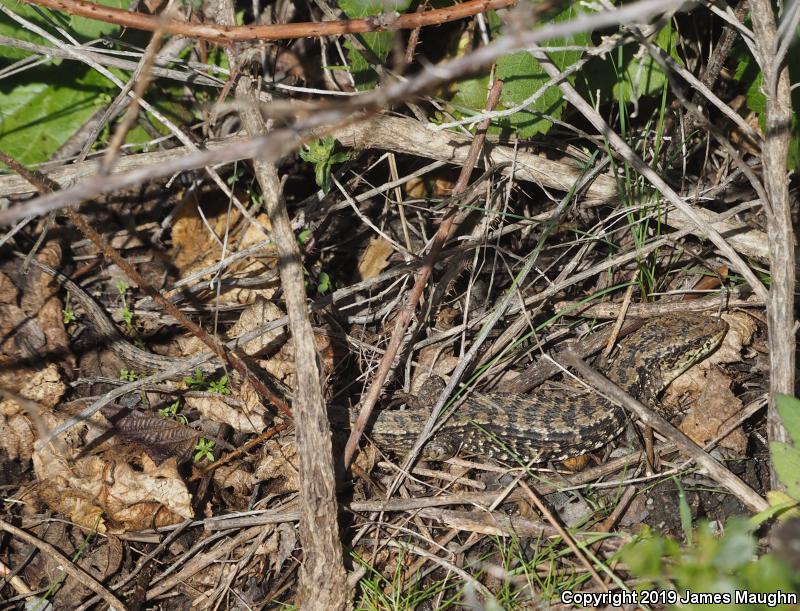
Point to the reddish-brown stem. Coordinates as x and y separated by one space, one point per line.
268 434
407 312
229 34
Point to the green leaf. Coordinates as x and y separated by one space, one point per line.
37 117
379 43
324 283
303 236
523 77
750 77
320 153
644 556
641 76
91 28
12 29
355 9
80 27
737 548
789 409
786 460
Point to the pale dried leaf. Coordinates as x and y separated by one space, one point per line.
195 246
45 387
17 424
236 477
41 287
129 499
279 545
278 466
12 319
375 258
288 542
79 508
51 322
742 327
246 418
740 334
281 366
433 361
17 436
254 316
8 290
714 410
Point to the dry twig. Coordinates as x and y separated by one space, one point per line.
225 34
323 581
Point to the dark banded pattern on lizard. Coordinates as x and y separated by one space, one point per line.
556 424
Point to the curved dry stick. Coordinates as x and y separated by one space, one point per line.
229 34
406 314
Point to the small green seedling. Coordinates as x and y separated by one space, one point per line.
128 376
204 450
127 313
68 315
320 154
197 380
171 412
220 386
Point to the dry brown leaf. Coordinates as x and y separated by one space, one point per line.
41 287
17 436
254 316
281 366
375 258
279 546
17 427
8 290
206 581
433 361
740 334
45 387
715 409
416 188
126 498
195 246
255 265
742 328
248 416
13 323
278 466
234 476
51 321
707 390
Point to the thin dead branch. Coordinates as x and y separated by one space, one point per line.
446 229
774 155
322 575
66 564
229 34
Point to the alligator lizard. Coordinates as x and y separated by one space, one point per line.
553 424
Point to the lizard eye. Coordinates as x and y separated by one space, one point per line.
439 449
